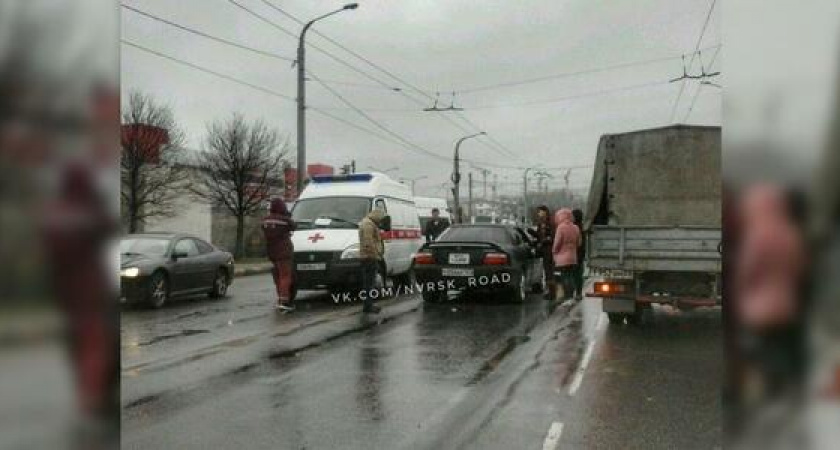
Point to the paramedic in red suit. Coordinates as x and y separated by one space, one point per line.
277 228
76 229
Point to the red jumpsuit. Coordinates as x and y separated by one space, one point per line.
277 228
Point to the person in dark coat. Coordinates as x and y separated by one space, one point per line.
545 237
277 228
435 226
581 254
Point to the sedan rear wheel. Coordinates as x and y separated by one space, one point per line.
158 292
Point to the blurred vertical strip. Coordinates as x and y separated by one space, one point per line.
781 163
59 201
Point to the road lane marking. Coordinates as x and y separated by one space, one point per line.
552 440
578 379
600 325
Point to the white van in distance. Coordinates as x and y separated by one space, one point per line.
327 238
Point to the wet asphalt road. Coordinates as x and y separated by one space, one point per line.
469 373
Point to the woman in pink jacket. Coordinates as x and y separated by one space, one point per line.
565 249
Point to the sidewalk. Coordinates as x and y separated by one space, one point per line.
251 267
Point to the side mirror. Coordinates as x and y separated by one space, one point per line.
385 225
178 255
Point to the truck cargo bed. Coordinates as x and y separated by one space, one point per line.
651 248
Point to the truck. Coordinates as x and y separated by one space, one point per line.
653 221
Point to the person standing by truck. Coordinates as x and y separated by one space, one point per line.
371 252
277 228
564 250
577 214
545 238
435 226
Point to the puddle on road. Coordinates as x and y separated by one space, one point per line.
165 337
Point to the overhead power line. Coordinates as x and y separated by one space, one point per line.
699 88
377 124
693 56
207 35
571 74
399 141
208 71
496 146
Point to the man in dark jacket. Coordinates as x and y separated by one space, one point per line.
435 226
581 255
545 237
277 228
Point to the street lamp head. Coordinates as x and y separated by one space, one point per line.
351 6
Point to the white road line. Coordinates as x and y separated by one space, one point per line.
600 325
578 379
552 440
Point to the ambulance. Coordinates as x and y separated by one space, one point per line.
327 238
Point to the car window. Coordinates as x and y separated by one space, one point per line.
347 211
186 246
144 246
202 246
495 235
380 205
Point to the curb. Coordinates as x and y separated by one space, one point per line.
247 271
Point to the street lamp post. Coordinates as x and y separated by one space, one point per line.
525 194
301 96
456 175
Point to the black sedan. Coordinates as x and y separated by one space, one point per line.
156 266
480 257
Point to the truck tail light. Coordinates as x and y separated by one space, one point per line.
495 259
424 258
606 288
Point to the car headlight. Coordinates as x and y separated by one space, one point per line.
351 252
131 272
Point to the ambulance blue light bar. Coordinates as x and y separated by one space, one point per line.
353 177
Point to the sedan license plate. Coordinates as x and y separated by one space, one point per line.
312 266
449 272
459 258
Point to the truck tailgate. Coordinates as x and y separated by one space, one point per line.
683 249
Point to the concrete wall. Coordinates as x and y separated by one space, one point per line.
193 217
224 233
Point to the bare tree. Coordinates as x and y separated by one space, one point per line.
238 166
151 171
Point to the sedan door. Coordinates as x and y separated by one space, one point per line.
208 262
186 270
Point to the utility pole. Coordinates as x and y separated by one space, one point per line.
301 96
456 177
525 194
353 166
470 209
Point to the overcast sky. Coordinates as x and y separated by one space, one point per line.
437 46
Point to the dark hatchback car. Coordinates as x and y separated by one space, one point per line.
480 257
156 266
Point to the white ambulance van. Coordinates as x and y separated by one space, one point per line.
327 237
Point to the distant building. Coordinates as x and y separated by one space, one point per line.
290 192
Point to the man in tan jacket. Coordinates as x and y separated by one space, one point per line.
371 252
